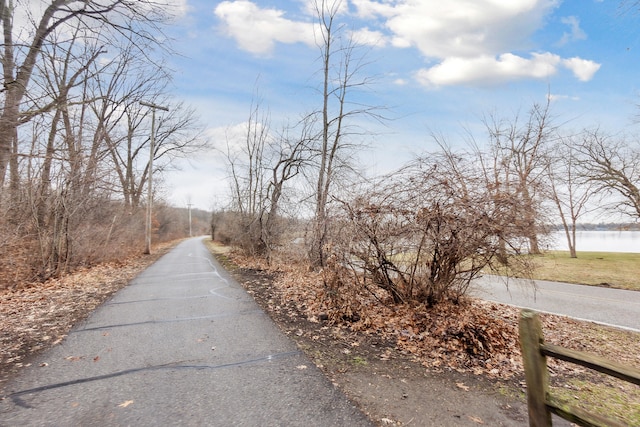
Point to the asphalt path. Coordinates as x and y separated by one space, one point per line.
614 307
185 345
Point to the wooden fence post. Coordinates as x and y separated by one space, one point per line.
535 369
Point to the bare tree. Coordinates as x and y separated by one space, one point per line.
60 188
521 149
291 153
61 79
121 127
120 82
122 17
342 66
612 165
73 71
260 167
247 165
569 191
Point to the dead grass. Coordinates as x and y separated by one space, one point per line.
616 270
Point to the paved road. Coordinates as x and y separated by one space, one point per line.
184 345
602 305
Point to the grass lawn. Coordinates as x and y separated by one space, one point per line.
617 270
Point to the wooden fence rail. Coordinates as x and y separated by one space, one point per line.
534 355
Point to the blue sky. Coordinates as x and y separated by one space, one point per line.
439 67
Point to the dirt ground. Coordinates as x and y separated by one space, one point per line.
387 383
399 376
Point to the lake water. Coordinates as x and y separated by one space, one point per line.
598 241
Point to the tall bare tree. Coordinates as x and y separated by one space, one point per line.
247 163
123 18
569 191
117 88
342 68
291 153
260 167
521 149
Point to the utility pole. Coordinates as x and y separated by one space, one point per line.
154 107
189 206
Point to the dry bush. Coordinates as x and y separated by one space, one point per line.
249 234
235 229
424 233
19 252
59 235
472 336
108 233
16 255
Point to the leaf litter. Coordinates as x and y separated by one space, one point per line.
36 316
474 337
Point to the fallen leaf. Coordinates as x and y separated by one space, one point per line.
475 419
462 386
125 403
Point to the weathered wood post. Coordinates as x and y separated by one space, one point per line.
535 368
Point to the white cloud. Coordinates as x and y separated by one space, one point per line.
576 32
489 70
473 40
556 97
367 37
459 28
179 8
256 30
583 69
370 9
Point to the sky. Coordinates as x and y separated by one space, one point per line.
437 67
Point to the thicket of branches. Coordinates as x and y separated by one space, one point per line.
74 138
425 232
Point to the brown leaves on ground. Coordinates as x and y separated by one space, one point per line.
36 316
476 336
473 336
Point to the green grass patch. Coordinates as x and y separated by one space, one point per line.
616 270
360 361
613 398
